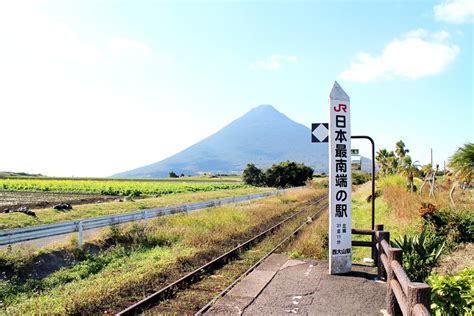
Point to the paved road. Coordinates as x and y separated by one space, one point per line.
281 286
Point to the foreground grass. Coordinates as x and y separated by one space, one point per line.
152 256
50 216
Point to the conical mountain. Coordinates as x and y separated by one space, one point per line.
262 136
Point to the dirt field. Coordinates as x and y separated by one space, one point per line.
14 200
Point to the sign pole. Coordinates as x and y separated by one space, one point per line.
340 182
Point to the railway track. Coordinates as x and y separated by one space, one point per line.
173 289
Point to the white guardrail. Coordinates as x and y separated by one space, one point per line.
11 236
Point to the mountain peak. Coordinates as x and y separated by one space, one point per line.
262 136
264 108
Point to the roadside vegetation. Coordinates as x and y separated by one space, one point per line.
50 216
428 226
115 188
131 260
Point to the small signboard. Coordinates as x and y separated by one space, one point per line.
319 132
340 180
355 152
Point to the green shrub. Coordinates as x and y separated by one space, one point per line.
360 177
453 295
456 225
420 253
282 175
288 174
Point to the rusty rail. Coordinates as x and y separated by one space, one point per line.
403 296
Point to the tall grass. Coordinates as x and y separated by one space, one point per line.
313 241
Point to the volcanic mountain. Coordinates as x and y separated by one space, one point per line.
262 136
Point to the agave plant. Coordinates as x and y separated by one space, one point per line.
420 253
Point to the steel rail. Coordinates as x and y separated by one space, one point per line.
227 289
169 290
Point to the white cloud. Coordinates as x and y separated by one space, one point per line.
455 11
122 46
273 62
416 54
61 109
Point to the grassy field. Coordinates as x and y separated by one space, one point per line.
144 258
109 187
199 178
49 215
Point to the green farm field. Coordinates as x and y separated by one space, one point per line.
114 187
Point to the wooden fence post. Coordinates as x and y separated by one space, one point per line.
382 274
392 305
418 293
376 254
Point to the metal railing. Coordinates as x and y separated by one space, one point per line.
11 236
403 296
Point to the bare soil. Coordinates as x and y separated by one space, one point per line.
14 200
456 261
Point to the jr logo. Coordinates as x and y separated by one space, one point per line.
340 107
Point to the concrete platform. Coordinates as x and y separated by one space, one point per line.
281 286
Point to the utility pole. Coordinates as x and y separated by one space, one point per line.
432 158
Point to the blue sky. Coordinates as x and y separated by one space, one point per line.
91 88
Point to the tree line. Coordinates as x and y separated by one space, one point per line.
281 175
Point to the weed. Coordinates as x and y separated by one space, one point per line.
296 255
287 200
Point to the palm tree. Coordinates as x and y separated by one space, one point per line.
409 169
393 163
400 150
461 164
387 161
381 159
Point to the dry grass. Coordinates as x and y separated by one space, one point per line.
455 262
404 206
312 242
